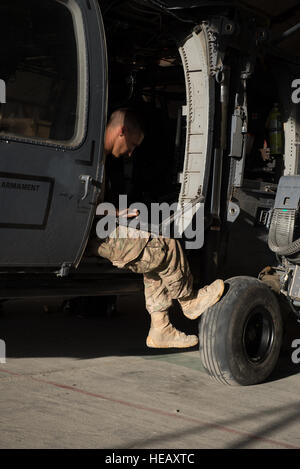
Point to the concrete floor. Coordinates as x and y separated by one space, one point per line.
73 381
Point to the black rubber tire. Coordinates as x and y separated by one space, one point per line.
240 337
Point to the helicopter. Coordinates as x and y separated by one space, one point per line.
205 76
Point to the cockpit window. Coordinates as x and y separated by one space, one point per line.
44 67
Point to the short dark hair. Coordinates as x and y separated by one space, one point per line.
129 118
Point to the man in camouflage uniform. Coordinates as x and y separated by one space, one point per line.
161 260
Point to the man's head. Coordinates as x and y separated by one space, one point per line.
123 133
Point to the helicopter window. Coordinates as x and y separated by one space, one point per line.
43 65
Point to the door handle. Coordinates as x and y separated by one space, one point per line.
88 182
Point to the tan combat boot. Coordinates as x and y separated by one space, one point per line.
198 302
163 335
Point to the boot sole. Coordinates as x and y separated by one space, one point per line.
151 344
196 315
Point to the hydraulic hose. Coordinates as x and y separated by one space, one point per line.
281 233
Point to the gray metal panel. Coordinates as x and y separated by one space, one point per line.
199 115
292 142
288 193
294 291
69 219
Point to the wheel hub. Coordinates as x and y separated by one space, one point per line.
258 335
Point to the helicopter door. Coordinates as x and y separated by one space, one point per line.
53 64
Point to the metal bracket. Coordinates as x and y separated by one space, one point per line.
233 211
64 270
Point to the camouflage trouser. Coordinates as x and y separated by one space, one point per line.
165 270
